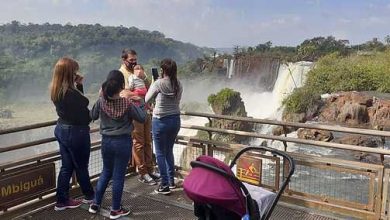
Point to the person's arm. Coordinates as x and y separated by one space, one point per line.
131 86
152 93
94 113
144 77
126 93
138 113
141 92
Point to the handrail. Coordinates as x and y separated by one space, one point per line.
244 119
28 127
292 140
292 124
34 143
94 146
248 134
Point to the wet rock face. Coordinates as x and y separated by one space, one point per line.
360 140
279 130
356 109
289 117
294 117
315 134
229 102
365 141
368 158
379 114
350 108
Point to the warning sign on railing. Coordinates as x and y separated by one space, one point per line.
249 170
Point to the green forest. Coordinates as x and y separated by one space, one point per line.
29 51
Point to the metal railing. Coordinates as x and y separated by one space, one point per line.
318 181
29 161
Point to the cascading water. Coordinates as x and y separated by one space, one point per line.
268 104
231 69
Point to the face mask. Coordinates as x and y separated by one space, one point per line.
131 65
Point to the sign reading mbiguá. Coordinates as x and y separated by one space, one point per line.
25 183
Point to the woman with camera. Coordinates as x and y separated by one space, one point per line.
167 92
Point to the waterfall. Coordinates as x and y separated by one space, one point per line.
290 76
257 71
268 104
259 101
230 69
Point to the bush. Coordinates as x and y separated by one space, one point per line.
334 73
301 100
222 97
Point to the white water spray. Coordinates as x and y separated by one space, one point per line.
268 104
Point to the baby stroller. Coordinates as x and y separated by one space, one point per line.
218 194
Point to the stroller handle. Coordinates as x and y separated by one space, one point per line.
285 182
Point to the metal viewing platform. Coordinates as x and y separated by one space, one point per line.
321 188
145 204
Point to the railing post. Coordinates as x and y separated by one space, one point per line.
382 156
209 150
285 134
204 149
210 125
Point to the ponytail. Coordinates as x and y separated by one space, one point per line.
169 68
175 84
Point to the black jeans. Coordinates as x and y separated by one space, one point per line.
75 144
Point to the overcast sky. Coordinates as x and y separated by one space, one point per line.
218 23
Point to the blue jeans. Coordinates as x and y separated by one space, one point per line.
75 148
165 131
116 153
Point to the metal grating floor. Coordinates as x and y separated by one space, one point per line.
145 204
283 212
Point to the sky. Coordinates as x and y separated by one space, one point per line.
218 23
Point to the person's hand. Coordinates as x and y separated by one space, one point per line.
135 98
126 93
78 79
142 75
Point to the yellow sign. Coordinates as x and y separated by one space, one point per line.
249 170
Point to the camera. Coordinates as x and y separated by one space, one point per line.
155 74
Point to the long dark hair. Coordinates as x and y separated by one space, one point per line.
169 69
114 83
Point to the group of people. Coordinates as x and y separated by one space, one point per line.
124 107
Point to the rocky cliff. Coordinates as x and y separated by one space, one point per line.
229 102
356 109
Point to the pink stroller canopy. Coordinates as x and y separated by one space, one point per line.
207 187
